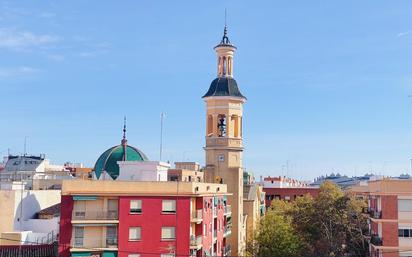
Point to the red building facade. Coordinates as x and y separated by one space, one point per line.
144 219
288 193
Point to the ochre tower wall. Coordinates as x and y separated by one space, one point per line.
224 160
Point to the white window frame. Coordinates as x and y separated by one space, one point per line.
138 232
169 209
173 233
77 231
134 206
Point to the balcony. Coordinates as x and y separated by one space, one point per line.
228 210
376 214
376 240
365 210
197 216
195 242
227 250
109 243
223 142
94 215
227 231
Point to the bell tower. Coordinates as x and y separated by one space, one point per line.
224 146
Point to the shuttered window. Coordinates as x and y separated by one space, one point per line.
169 206
405 205
168 233
136 206
135 233
78 236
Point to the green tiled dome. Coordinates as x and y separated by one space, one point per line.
108 160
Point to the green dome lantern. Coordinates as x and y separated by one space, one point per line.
108 160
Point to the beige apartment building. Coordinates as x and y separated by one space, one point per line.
390 216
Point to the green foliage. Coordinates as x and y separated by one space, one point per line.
276 238
330 225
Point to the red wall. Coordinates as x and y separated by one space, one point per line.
151 221
207 219
291 192
65 234
389 206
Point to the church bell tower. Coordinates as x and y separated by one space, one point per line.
224 146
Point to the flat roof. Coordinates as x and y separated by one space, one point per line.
144 188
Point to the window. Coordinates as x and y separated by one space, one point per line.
168 233
135 233
78 236
405 232
204 229
169 206
111 235
287 198
80 209
135 206
404 205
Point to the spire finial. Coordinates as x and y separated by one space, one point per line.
225 18
124 140
225 39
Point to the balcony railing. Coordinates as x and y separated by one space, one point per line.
197 216
224 141
95 243
196 240
227 250
228 209
95 215
227 231
376 214
376 240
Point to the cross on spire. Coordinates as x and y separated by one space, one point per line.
124 140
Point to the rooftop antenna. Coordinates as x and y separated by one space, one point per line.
162 115
225 17
25 146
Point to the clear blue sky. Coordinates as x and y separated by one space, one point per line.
327 82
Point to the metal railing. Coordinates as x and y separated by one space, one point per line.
228 209
198 215
95 215
227 250
80 242
376 240
376 214
195 240
227 231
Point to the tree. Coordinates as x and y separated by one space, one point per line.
330 225
275 237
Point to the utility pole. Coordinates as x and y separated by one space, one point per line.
411 166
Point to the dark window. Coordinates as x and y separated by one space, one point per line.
406 233
400 232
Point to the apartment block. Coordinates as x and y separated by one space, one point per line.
144 219
390 216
